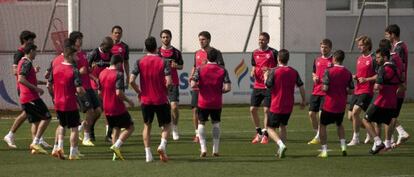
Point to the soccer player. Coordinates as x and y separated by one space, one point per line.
337 83
89 102
25 38
263 59
392 33
98 59
175 58
155 77
200 58
364 91
212 80
66 84
281 81
31 102
383 110
316 99
112 90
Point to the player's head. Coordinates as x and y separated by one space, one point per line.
76 38
107 44
382 56
151 44
263 40
30 50
212 54
116 33
325 46
26 36
69 50
283 56
204 38
166 36
392 32
338 57
385 44
364 44
116 60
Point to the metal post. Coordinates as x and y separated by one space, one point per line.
357 26
282 24
50 24
251 25
261 19
387 17
153 18
181 25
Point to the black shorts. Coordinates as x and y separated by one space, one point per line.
163 113
380 115
173 93
120 121
203 114
69 119
258 96
362 100
89 101
400 102
315 103
36 111
194 98
330 118
275 120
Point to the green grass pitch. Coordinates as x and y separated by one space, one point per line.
238 156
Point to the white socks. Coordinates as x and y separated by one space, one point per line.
163 144
355 136
10 134
73 151
86 136
216 137
280 143
36 140
118 143
324 148
401 131
60 144
377 141
202 136
148 154
317 134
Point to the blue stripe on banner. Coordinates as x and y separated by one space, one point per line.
5 95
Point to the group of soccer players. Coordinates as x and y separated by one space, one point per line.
95 82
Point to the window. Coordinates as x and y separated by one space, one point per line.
394 4
353 8
338 5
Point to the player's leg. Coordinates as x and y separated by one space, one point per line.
164 121
388 131
203 115
257 96
123 121
148 116
194 102
175 117
73 119
10 137
356 125
341 132
215 120
373 114
403 136
314 107
273 123
325 119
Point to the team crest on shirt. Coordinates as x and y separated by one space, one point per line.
120 50
267 56
367 62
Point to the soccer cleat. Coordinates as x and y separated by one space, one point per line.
343 149
74 157
402 139
281 152
264 140
203 154
10 142
196 139
314 141
175 135
257 139
323 154
163 155
216 154
87 143
353 142
37 149
59 153
367 139
117 152
377 149
45 144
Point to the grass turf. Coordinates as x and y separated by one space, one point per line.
238 156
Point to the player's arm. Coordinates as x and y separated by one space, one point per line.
24 71
315 77
16 58
227 82
195 78
120 87
192 70
78 82
132 78
325 81
220 59
351 86
269 78
126 65
167 73
380 79
180 61
253 66
302 91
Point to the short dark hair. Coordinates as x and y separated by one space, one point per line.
384 53
107 41
393 29
212 54
116 27
327 42
385 44
75 35
339 56
115 59
150 44
26 35
68 49
266 35
205 34
283 56
166 31
29 48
